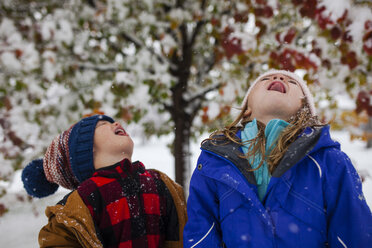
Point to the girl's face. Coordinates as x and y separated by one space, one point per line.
111 141
275 96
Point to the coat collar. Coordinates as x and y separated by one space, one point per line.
312 139
231 152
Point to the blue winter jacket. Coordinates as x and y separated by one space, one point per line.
314 199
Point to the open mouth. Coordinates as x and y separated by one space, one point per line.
277 86
120 131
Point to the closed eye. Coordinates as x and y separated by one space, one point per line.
265 79
101 123
292 82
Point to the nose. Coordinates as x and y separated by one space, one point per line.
116 123
276 77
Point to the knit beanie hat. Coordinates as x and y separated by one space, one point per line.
68 160
301 82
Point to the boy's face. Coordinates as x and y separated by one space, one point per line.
275 96
111 140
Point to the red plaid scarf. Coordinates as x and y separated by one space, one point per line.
129 205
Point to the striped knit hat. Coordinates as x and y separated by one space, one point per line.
302 83
67 162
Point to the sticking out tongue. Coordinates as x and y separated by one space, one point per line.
277 86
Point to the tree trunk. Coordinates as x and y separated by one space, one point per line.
369 132
182 124
181 150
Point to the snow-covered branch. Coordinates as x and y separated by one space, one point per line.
201 95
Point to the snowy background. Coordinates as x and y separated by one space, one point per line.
41 48
20 226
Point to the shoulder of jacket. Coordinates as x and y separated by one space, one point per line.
169 183
331 155
70 202
331 162
74 214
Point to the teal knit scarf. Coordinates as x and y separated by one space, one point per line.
272 132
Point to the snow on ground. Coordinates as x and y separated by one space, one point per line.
19 227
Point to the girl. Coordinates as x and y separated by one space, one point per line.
114 202
275 178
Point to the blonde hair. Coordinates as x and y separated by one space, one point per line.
302 119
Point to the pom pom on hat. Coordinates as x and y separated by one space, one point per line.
35 182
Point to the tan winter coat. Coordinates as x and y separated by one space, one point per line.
71 225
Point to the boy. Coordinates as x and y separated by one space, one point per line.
114 202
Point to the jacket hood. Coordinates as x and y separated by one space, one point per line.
310 141
324 140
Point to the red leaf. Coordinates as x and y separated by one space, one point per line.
223 111
363 102
368 25
288 38
231 46
335 32
274 55
259 11
261 1
326 63
241 17
277 37
18 53
215 21
205 117
221 91
347 37
322 20
297 2
367 42
266 11
3 209
317 51
262 27
286 62
343 17
303 62
14 138
309 8
350 59
227 31
291 60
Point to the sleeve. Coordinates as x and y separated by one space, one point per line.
69 225
348 215
55 234
202 227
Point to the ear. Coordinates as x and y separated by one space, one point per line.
247 112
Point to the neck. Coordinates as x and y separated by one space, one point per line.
101 161
266 119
